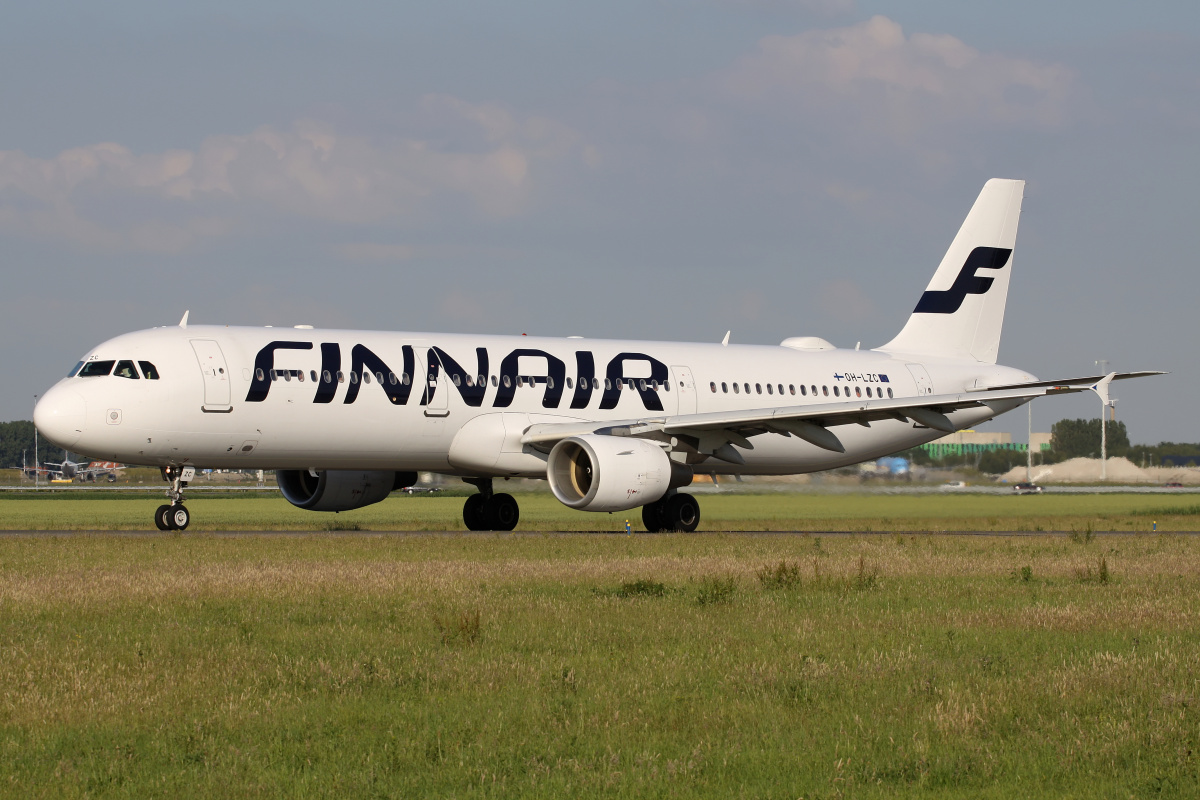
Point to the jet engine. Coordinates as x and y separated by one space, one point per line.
339 489
612 473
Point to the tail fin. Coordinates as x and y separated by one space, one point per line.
962 310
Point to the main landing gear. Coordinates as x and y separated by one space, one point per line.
487 511
675 512
174 517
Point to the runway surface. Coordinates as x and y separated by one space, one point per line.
872 533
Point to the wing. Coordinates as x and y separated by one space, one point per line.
717 433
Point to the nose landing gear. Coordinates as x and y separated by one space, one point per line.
174 517
487 511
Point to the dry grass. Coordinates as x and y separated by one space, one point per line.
360 664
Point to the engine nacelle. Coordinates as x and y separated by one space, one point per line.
612 473
339 489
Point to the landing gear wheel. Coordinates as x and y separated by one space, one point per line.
474 514
160 518
682 513
501 512
652 516
177 517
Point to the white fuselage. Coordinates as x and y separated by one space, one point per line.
237 397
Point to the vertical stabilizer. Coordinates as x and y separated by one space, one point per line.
961 312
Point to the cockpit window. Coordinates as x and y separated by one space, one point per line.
149 370
94 368
74 370
126 369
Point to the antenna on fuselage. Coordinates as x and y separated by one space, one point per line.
725 341
183 322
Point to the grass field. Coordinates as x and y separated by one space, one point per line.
719 512
363 665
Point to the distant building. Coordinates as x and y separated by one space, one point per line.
962 442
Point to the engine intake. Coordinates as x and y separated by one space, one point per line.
612 473
339 489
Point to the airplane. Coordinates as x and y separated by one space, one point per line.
346 417
68 470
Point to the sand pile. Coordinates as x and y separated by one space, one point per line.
1120 470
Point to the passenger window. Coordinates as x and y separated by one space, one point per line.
325 376
494 381
803 391
549 383
570 383
713 385
642 384
747 387
95 369
507 382
724 388
341 376
769 389
480 381
825 391
379 377
857 391
354 377
457 379
300 375
667 385
405 379
890 394
758 388
781 389
735 388
126 369
258 374
312 373
836 392
814 391
75 370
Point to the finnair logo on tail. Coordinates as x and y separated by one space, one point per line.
967 282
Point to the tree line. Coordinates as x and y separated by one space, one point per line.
16 439
1069 438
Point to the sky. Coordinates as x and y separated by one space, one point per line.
660 169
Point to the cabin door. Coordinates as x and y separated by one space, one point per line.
215 372
921 375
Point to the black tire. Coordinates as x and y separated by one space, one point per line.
160 518
501 512
474 514
178 517
652 517
682 513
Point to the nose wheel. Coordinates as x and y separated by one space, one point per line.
490 512
174 517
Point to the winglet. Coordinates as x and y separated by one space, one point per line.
725 341
183 322
1101 388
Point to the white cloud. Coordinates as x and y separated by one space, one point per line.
907 83
308 171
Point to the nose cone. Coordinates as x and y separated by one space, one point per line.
60 415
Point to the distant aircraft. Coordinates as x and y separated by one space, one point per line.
83 471
68 470
347 417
